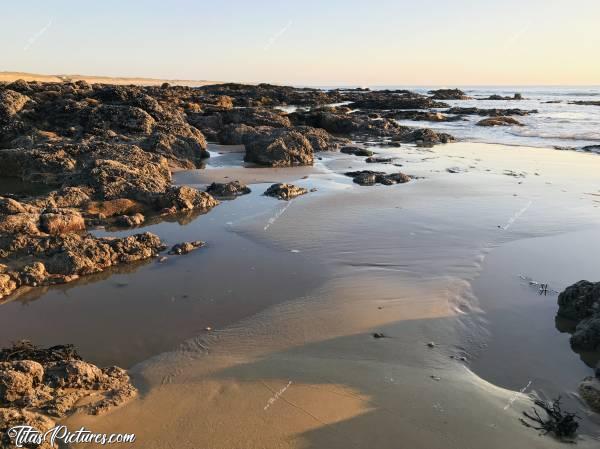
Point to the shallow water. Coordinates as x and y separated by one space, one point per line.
557 124
346 260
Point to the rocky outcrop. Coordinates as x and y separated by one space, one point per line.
228 190
499 121
580 303
279 148
39 386
285 191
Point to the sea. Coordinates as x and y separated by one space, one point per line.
558 123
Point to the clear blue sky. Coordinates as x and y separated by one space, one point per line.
425 42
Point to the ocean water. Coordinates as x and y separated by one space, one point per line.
557 124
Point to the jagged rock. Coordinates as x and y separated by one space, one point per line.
589 389
321 140
424 136
11 103
81 255
228 190
8 284
186 247
33 274
356 151
587 334
184 198
499 121
61 221
53 381
580 300
279 148
130 221
285 191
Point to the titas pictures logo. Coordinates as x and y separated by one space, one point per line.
24 436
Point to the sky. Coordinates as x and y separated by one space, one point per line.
321 43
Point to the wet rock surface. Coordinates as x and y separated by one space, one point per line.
285 191
228 190
40 385
580 303
369 178
499 121
186 247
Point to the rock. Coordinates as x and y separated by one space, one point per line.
285 191
74 374
228 190
130 221
55 381
580 300
8 284
423 136
589 389
321 140
448 94
378 335
12 416
61 221
587 334
378 160
186 247
81 255
34 274
356 151
184 198
110 208
499 121
11 103
585 103
489 112
369 178
279 148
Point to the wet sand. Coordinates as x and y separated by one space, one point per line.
416 262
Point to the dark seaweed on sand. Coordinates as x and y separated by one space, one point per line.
562 424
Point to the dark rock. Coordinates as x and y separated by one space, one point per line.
580 300
490 112
130 221
285 191
379 160
448 94
368 178
499 121
228 190
356 151
279 148
186 247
